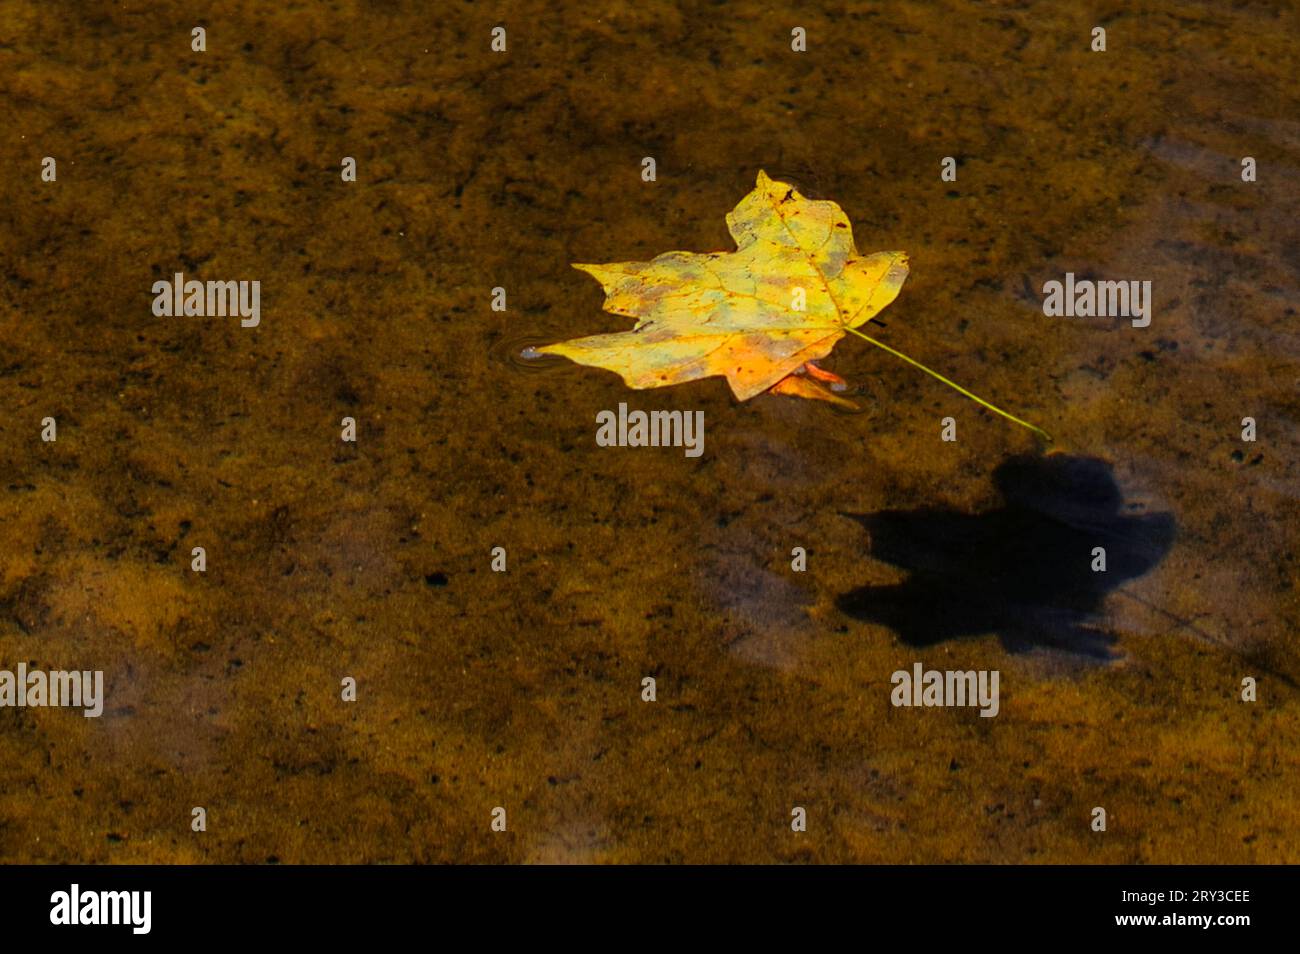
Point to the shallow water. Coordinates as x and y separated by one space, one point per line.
522 689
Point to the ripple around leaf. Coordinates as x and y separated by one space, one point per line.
522 354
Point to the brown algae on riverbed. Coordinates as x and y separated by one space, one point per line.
479 689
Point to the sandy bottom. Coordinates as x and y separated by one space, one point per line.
478 689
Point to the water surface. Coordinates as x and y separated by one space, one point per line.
522 689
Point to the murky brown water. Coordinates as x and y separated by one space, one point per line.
479 689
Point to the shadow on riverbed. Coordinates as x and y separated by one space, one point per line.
1023 571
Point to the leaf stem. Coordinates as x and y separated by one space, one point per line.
957 387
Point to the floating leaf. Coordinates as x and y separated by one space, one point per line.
757 316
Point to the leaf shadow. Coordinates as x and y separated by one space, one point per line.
1022 570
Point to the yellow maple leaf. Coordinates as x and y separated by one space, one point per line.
758 316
